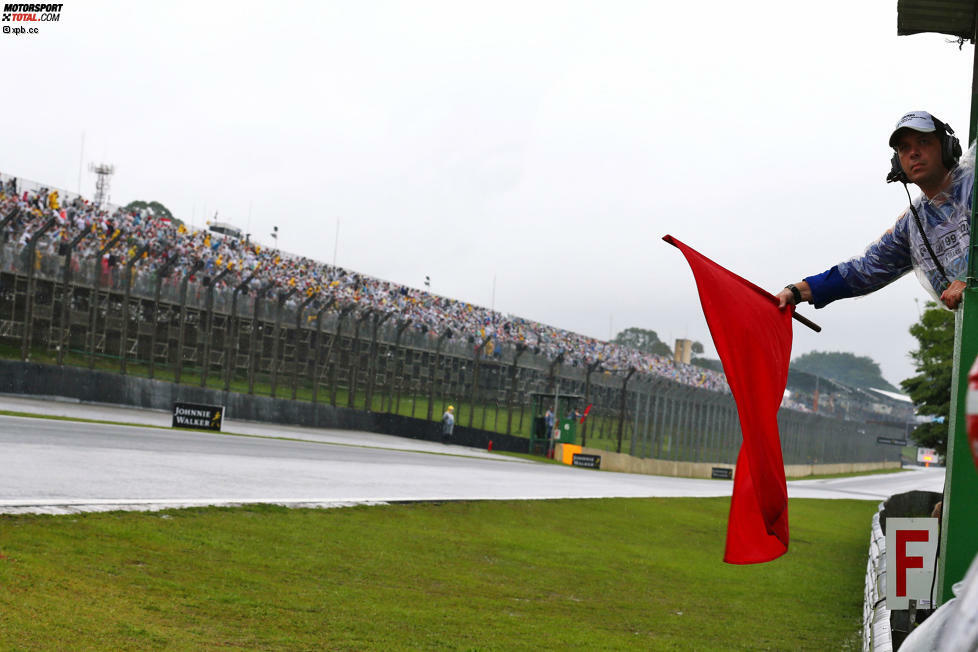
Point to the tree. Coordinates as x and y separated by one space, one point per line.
647 341
930 389
847 368
661 348
708 363
640 339
154 207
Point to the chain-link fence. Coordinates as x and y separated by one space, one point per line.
61 307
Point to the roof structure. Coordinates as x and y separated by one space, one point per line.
953 17
891 395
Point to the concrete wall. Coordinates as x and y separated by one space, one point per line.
30 379
802 470
627 464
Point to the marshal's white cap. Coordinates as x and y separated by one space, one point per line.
917 120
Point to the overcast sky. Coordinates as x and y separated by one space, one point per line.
546 145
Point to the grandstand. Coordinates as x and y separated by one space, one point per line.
277 273
162 244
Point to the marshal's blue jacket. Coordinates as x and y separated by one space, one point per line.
946 219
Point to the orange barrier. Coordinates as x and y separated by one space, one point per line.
567 452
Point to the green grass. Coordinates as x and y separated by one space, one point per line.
522 575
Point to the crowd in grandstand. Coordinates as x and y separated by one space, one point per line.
207 254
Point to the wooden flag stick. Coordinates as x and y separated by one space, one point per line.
807 322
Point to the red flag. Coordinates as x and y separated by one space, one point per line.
587 411
753 339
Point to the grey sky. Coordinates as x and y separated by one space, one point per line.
547 144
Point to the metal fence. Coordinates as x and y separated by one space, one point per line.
177 325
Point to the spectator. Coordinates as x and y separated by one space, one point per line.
428 314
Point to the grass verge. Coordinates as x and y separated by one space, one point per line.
584 574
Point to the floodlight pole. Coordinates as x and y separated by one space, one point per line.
958 543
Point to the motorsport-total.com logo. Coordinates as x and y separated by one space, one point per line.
29 13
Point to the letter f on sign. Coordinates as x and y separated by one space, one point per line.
905 562
911 552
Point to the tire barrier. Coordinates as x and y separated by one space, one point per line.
884 630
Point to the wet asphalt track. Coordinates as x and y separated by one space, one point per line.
62 466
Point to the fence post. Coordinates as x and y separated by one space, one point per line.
646 433
314 370
684 411
658 420
621 415
232 355
329 354
378 321
690 423
706 420
398 369
94 302
591 368
696 425
161 274
638 406
513 369
715 426
673 427
476 359
183 317
355 359
209 326
252 339
729 424
679 440
29 249
127 293
669 421
298 328
67 291
434 370
282 298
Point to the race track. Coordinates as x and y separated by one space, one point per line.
65 466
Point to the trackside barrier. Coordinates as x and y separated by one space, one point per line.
623 463
885 629
876 617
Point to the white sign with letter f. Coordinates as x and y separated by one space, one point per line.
911 555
